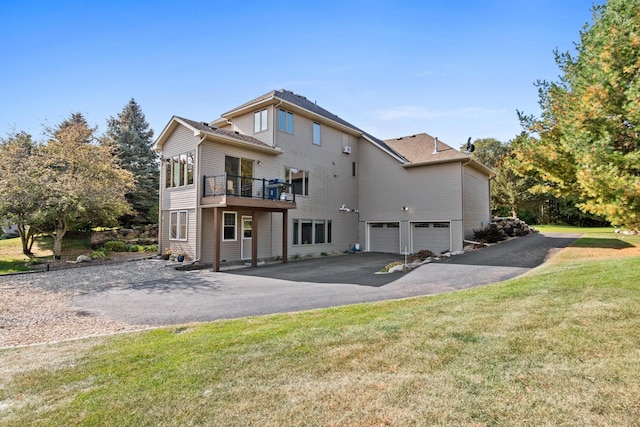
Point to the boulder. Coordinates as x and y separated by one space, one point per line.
83 258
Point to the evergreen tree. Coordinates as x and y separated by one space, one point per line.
588 145
130 138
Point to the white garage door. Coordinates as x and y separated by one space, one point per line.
384 237
434 236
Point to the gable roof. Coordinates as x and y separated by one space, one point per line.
289 98
420 150
205 130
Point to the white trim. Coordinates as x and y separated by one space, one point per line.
368 233
430 221
235 226
244 218
179 225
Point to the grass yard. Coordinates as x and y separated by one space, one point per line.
555 228
13 260
558 346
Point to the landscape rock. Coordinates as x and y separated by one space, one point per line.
83 258
513 227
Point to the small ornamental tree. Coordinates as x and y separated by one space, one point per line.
83 183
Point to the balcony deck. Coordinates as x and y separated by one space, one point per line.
246 192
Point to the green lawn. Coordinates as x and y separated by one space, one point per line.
558 346
572 229
13 260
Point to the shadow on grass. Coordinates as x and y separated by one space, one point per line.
12 267
591 242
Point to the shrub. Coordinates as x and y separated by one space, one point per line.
151 249
135 248
115 246
489 234
390 266
99 254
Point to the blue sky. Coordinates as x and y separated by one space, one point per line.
391 67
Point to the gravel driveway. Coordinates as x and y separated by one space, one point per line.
116 297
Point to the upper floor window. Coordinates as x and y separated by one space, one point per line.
179 170
316 133
285 121
260 123
299 179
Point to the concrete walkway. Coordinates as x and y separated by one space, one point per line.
315 283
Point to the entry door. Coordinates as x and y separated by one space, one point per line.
247 235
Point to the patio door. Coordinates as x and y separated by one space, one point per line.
247 236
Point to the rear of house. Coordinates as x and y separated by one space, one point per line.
279 177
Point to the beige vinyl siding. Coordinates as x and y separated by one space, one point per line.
180 246
330 183
206 236
431 193
476 201
181 141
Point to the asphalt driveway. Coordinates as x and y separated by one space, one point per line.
203 295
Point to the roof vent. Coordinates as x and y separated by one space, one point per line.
435 145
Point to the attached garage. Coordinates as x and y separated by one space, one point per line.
384 237
434 236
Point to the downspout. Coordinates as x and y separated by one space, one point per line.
275 112
198 200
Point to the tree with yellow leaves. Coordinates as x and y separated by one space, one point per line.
586 143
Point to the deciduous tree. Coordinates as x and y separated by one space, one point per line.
587 145
21 194
83 183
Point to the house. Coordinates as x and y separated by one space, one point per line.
280 176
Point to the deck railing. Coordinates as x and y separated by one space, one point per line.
244 186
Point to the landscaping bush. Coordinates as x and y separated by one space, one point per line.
489 234
152 249
99 254
115 246
135 248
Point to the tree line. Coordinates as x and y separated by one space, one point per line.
76 179
580 159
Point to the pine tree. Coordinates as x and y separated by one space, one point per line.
130 138
588 145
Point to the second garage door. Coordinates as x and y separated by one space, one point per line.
434 236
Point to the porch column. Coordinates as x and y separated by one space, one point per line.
216 239
285 238
254 239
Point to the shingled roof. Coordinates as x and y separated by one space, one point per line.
205 127
421 148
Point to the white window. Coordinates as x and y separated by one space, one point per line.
178 225
229 226
299 179
260 121
316 133
285 121
179 170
